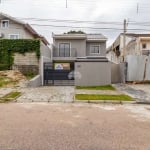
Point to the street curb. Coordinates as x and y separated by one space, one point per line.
105 101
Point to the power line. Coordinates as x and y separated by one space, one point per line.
87 22
83 27
71 21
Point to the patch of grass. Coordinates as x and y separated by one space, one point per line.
103 97
9 97
4 81
103 87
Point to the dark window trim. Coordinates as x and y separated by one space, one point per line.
2 23
144 45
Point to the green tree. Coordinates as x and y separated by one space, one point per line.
75 32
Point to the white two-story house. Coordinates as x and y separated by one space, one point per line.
12 28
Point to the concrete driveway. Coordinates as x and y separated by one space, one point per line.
60 126
141 92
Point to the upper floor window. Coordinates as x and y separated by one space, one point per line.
5 23
144 46
13 36
94 49
64 49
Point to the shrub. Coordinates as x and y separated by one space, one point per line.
4 67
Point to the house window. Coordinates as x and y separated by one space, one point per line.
64 49
144 46
14 36
95 49
5 23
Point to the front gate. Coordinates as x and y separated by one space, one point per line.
57 77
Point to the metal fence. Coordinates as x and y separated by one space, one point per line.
138 68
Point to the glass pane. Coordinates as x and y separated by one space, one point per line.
67 52
64 49
92 49
67 46
61 45
61 52
5 23
96 49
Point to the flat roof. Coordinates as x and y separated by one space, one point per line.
88 37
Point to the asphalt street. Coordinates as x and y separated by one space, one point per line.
59 126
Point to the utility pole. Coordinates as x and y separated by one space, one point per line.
66 3
124 37
137 11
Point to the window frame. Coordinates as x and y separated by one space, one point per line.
14 35
2 23
95 46
64 49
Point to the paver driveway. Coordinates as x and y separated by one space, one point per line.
47 94
60 126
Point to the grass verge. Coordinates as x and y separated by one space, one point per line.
9 97
103 97
103 87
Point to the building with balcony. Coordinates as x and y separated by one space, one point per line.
76 56
135 44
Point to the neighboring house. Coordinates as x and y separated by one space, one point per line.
12 28
136 44
79 57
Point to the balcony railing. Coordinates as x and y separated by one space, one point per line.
146 52
72 53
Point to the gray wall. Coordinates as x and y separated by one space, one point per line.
35 82
102 48
118 73
45 50
45 57
92 73
78 45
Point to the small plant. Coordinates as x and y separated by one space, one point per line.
30 75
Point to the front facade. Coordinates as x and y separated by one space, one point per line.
136 44
71 46
72 49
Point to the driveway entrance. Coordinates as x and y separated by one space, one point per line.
47 94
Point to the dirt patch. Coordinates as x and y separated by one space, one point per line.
11 78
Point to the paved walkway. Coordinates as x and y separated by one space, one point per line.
4 91
47 94
141 92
